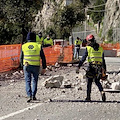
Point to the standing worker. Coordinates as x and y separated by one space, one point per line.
96 63
39 38
30 59
77 44
48 41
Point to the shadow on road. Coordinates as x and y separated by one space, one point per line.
92 101
111 72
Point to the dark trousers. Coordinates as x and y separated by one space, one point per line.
89 85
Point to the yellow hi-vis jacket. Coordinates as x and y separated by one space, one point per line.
31 51
39 40
48 41
94 56
78 42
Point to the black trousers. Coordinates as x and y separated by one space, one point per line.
89 85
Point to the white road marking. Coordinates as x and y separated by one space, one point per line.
25 109
20 111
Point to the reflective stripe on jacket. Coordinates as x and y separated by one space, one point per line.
39 40
48 41
78 42
94 55
31 51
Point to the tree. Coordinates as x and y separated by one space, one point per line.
97 13
16 18
85 2
67 18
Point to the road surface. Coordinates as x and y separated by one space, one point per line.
66 104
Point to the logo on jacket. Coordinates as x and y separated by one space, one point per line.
30 46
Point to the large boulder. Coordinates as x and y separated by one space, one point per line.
115 86
53 81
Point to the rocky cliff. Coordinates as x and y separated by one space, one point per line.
111 18
112 15
42 19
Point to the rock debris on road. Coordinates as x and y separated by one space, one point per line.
65 102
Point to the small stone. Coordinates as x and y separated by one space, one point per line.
79 88
18 95
12 80
49 100
29 108
68 86
63 91
69 65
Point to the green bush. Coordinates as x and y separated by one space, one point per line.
109 35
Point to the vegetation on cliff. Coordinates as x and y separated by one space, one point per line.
15 19
17 16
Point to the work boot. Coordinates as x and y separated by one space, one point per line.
34 98
29 99
88 99
103 96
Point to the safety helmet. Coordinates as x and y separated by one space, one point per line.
90 37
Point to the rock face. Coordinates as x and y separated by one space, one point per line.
111 18
42 19
112 15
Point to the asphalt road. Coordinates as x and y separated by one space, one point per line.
113 60
66 104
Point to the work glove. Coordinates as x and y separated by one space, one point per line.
77 70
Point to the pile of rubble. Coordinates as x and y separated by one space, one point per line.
112 82
10 77
64 80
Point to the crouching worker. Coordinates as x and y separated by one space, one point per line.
30 57
96 63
